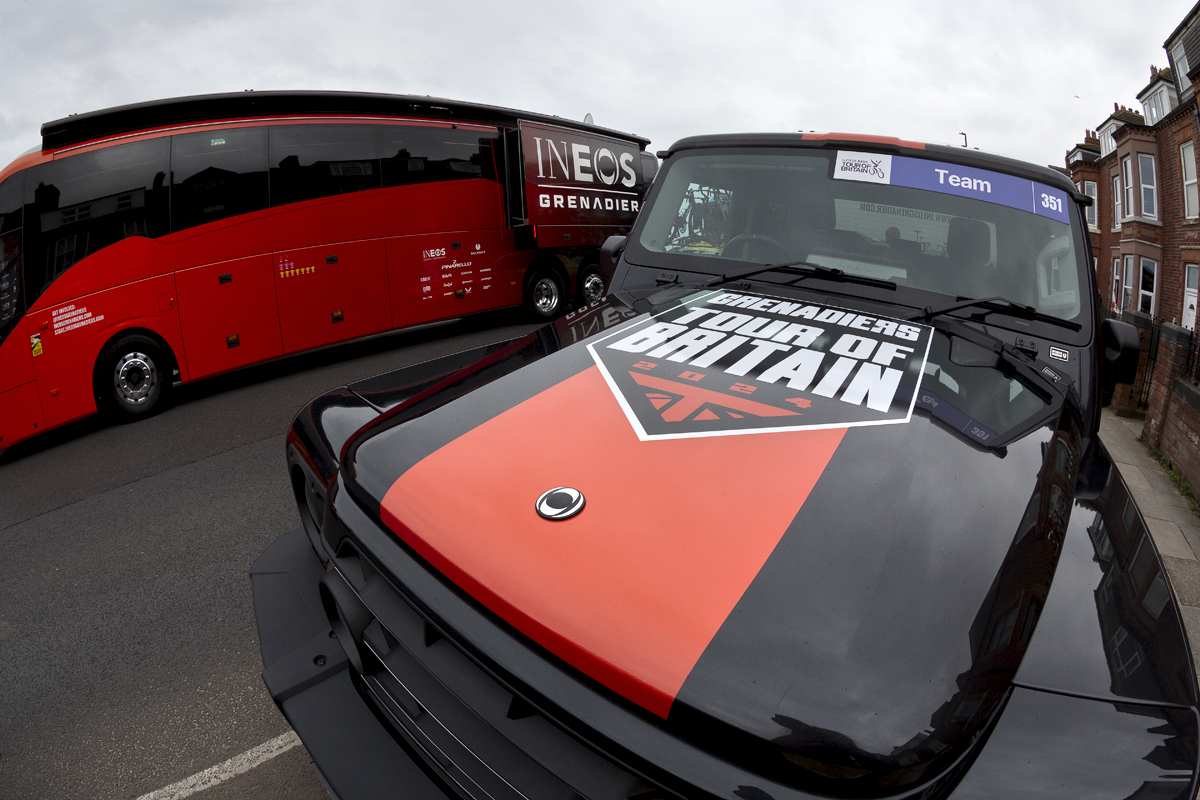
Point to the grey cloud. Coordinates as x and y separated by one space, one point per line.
1005 73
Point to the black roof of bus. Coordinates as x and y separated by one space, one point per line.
958 155
199 109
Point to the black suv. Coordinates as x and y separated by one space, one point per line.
812 505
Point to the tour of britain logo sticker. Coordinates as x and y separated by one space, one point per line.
724 363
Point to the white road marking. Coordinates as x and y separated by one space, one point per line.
224 771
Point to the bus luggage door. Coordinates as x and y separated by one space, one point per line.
228 314
332 293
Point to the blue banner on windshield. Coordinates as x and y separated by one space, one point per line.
955 179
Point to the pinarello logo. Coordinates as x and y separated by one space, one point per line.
561 502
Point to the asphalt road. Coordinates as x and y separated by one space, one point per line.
128 652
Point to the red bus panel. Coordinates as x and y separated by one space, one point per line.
332 293
16 363
228 314
73 335
440 275
20 414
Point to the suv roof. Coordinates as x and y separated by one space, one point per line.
960 155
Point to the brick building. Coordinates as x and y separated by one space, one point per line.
1141 170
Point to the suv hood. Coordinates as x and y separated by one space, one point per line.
841 609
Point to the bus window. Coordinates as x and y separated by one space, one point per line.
310 161
217 174
11 301
413 154
11 193
78 205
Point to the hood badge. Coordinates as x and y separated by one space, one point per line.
560 503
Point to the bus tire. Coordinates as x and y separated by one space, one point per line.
545 294
135 377
591 285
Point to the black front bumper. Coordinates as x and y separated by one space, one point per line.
305 670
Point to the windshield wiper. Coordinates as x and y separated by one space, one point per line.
802 269
1006 306
805 270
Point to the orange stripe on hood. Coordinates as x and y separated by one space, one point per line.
631 590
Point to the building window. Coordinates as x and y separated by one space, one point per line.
1149 183
1154 107
1116 285
1116 202
1181 66
1146 291
1191 290
1127 182
1089 188
1127 284
1191 200
1107 143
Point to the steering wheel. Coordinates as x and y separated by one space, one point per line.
748 240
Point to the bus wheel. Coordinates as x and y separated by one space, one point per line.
136 378
591 286
544 294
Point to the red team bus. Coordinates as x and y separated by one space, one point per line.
176 239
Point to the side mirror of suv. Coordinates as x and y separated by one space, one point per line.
1120 352
610 253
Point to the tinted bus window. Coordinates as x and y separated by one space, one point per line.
217 174
11 300
12 194
78 205
310 161
425 154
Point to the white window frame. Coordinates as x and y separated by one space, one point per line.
1180 63
1153 107
1116 285
1191 274
1107 143
1143 294
1191 190
1150 187
1089 188
1127 282
1127 182
1116 181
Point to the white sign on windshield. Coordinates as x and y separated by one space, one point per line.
956 179
869 167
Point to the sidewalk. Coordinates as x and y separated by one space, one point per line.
1174 528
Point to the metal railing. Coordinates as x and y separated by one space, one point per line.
1147 377
1191 368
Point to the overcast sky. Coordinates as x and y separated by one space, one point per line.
1020 78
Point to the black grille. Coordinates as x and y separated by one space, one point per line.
485 742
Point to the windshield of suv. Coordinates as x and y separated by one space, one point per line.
944 227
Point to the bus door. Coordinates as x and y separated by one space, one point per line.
332 293
439 275
228 314
20 407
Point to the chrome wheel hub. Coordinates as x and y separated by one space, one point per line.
135 378
545 295
593 288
